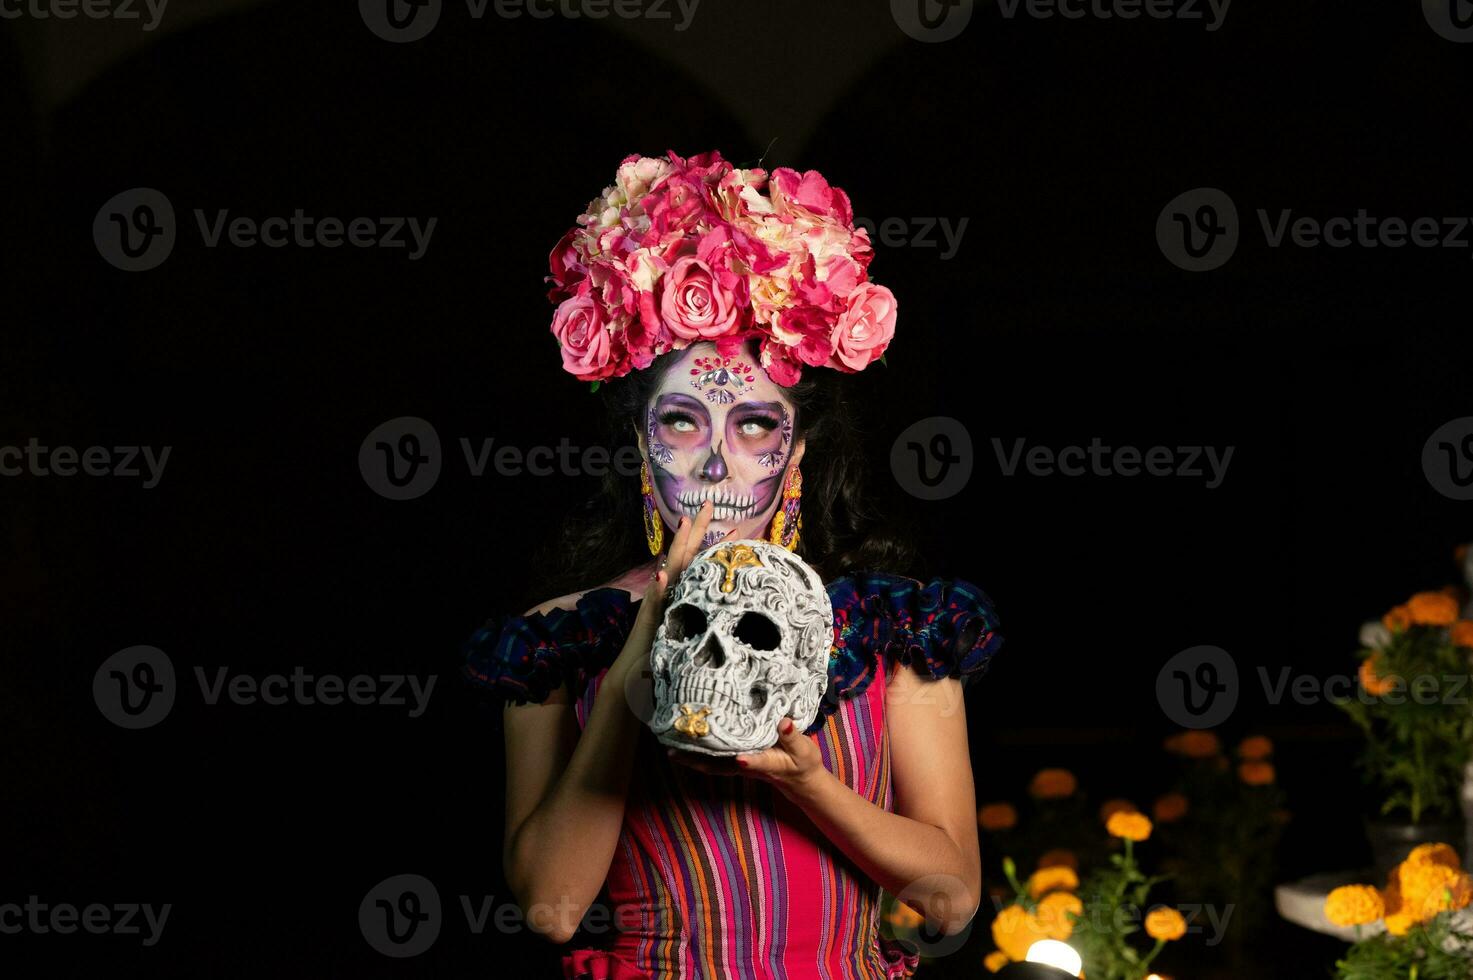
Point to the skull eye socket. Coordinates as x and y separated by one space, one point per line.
684 621
758 632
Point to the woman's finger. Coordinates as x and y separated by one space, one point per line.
686 546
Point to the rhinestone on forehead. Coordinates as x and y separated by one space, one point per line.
721 379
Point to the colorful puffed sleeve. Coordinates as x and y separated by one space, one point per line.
941 629
524 658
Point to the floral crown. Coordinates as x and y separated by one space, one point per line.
682 251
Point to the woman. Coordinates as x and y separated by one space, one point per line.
702 294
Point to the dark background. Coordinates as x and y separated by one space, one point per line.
1058 320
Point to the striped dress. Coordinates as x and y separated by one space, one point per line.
720 877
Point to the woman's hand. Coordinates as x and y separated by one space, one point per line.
683 549
793 765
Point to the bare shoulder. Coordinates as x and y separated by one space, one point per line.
632 582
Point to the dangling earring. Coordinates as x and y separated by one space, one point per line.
654 527
788 520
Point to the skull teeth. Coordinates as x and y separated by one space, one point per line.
729 505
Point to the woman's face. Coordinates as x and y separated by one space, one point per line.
717 428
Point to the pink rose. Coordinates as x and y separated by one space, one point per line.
579 328
813 193
865 328
566 266
693 303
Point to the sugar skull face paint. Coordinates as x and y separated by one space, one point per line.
717 428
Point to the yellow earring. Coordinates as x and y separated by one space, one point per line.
654 527
788 520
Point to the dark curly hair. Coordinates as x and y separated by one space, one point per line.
842 527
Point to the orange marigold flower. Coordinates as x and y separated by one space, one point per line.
1431 889
1354 905
1462 633
1046 880
1397 619
1372 680
1053 784
1059 857
1130 826
1109 808
1256 773
1255 748
1442 854
1014 930
1169 808
995 960
1165 923
1433 609
1057 913
1194 744
998 816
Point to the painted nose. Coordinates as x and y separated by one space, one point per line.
715 469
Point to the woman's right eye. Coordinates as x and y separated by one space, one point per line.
678 421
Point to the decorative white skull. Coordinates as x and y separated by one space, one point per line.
745 641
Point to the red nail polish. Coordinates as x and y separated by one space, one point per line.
742 763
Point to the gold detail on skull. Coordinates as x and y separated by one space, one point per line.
693 724
732 558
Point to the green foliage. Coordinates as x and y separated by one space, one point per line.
1435 951
1114 897
1419 734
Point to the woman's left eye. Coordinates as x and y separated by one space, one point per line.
756 426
